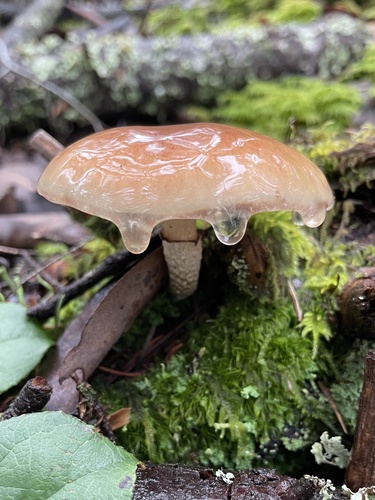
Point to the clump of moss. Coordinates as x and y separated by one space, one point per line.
348 158
213 16
345 390
303 11
176 20
239 380
364 68
276 108
244 375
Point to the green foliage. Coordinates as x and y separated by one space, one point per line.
176 20
246 375
288 243
53 455
364 68
315 323
239 379
346 388
14 283
22 345
79 262
74 265
347 158
272 107
218 15
303 11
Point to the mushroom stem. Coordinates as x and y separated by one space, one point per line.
183 254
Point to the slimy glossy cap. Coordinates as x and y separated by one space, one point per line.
138 177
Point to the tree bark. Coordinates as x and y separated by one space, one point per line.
115 72
361 468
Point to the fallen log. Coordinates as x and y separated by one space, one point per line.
115 72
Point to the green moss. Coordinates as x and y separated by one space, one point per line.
239 380
303 11
242 392
176 20
222 14
364 68
348 158
276 108
244 375
346 388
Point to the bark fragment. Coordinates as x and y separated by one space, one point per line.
361 468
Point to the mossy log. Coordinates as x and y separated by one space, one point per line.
114 72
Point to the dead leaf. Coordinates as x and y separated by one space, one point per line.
119 418
25 230
91 335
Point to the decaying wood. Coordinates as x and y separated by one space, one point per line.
361 468
198 483
97 328
45 144
33 397
155 74
357 305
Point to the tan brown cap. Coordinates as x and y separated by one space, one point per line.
138 177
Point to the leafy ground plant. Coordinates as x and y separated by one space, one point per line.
53 455
22 345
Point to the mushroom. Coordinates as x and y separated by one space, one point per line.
138 177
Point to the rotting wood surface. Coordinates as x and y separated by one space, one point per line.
176 482
361 468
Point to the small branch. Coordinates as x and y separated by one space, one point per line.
332 404
45 144
33 397
112 265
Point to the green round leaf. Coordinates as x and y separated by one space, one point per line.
22 344
56 456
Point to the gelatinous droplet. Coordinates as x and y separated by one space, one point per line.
230 231
135 235
297 219
315 219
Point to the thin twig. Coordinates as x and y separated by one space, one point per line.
119 373
111 266
332 404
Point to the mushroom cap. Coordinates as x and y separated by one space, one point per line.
138 177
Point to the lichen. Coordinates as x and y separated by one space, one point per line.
331 451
